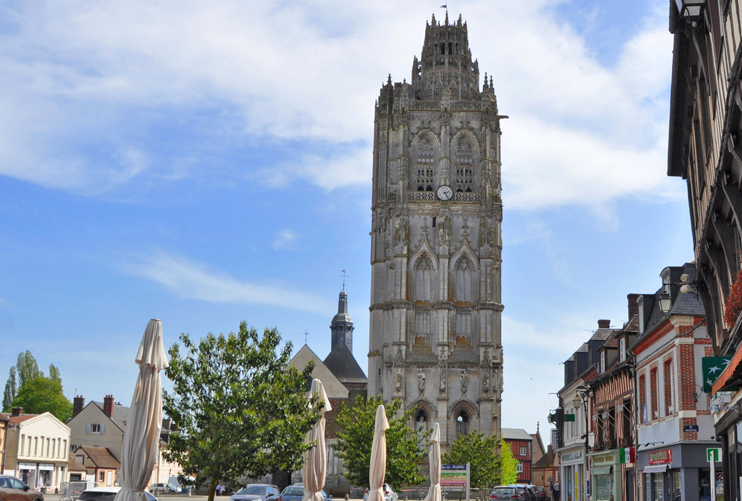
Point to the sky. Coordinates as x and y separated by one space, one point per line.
208 163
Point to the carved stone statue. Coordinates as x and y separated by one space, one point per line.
486 381
464 381
398 381
396 231
421 380
443 380
406 231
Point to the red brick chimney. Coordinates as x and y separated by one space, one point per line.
17 411
77 405
108 405
604 324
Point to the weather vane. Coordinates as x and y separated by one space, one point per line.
343 279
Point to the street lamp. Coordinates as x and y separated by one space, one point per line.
690 9
665 303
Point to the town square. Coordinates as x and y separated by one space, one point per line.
302 251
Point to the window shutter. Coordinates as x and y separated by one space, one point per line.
103 428
87 429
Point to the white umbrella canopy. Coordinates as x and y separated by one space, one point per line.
315 459
377 470
434 494
142 435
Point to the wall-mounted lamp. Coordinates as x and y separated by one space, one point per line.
690 9
665 303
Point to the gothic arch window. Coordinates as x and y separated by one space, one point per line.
425 163
462 423
464 157
423 279
421 420
464 278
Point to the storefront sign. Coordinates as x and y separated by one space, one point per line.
26 466
572 456
48 467
604 459
661 457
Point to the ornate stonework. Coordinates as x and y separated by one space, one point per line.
436 299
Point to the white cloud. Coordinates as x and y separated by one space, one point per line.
84 78
192 280
284 239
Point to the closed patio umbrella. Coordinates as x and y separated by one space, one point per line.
377 470
434 494
315 459
142 435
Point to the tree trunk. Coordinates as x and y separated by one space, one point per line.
212 488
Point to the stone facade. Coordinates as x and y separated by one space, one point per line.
436 240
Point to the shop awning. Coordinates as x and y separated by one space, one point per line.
731 375
661 468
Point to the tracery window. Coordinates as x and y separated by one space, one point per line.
464 156
423 278
464 273
425 164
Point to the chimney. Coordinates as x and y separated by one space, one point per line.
77 405
108 405
17 411
604 324
633 307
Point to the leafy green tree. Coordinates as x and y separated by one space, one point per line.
508 465
26 368
481 453
239 408
404 449
42 394
54 374
10 391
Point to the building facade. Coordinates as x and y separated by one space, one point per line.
436 240
521 445
36 449
674 423
705 149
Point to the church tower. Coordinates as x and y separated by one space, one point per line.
436 244
342 325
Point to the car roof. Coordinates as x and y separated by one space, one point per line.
103 489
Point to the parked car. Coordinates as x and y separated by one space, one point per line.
257 492
12 489
541 493
506 493
389 494
296 493
106 494
525 492
163 488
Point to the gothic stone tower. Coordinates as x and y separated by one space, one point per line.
436 241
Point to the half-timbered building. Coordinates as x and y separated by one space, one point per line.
521 443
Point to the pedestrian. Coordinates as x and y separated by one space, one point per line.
556 491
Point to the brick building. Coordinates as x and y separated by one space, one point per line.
674 425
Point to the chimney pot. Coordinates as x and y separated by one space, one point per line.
604 324
108 405
17 411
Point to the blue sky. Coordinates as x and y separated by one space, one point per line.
205 164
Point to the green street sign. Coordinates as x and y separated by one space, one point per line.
713 455
711 368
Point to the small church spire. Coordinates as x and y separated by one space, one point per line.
342 325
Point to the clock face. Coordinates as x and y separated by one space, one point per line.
445 193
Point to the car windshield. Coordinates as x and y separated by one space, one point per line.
256 490
97 496
293 491
503 490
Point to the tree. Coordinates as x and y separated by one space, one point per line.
508 465
482 454
26 368
10 391
239 408
43 395
404 449
54 374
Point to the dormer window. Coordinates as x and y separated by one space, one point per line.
622 349
602 362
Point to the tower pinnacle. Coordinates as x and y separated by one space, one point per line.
342 325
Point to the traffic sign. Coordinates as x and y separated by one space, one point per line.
713 454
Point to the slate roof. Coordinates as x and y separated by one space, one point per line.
515 434
344 366
101 457
120 414
73 464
